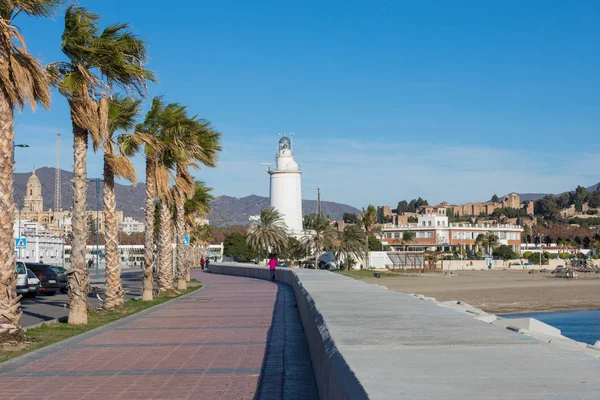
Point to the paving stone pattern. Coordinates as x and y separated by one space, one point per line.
207 345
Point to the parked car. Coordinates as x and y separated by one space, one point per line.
33 282
22 285
63 279
48 278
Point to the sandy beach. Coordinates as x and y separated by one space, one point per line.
503 292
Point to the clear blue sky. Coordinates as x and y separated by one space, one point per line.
388 100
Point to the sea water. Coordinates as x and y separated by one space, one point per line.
583 326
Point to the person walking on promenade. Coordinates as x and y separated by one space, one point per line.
202 262
272 266
207 262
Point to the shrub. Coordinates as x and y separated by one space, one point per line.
527 254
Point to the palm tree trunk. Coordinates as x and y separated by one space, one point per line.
187 256
149 229
165 277
10 305
79 277
114 289
179 233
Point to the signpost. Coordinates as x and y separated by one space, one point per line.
20 243
186 241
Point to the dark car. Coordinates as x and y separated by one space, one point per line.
33 283
63 279
48 279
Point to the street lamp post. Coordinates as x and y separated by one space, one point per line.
13 161
97 180
17 145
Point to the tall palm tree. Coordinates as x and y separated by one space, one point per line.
351 245
98 61
271 232
22 81
322 236
197 207
197 144
369 218
118 149
158 118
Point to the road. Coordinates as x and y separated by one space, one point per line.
45 308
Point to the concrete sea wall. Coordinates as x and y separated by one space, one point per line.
366 342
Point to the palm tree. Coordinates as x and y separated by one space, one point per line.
158 118
270 234
122 112
351 245
98 61
493 241
197 143
407 237
480 241
197 207
369 218
322 236
22 81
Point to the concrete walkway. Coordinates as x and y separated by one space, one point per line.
236 338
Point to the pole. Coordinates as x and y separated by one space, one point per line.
541 253
19 226
63 242
97 225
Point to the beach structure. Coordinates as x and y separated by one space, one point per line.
286 187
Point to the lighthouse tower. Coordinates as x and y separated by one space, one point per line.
286 187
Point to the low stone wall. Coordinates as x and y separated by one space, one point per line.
368 342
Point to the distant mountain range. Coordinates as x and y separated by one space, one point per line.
537 196
226 210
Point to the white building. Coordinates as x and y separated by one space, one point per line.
130 225
286 187
434 232
214 252
40 245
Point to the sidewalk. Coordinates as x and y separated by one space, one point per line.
209 344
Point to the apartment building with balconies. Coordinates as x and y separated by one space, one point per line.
434 232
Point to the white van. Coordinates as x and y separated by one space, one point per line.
22 283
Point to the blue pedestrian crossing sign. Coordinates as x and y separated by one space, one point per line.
186 241
21 243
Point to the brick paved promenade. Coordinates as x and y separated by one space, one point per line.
208 345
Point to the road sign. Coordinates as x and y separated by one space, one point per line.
21 243
186 241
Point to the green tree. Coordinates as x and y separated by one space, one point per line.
270 234
369 218
375 244
322 237
350 218
158 121
122 112
98 62
235 246
351 246
294 250
22 81
407 237
535 258
547 208
402 207
505 252
495 198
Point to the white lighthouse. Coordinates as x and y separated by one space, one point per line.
286 187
